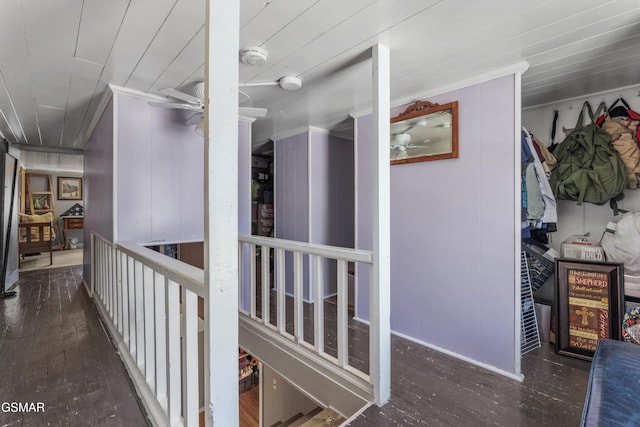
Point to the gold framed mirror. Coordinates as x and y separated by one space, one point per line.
425 131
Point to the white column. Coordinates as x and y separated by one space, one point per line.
221 212
380 313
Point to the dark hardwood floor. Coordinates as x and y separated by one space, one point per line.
54 350
429 388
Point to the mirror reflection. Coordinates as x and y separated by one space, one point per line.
424 132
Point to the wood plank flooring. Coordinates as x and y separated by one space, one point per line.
54 350
250 407
429 388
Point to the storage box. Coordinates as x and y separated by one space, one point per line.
578 247
632 285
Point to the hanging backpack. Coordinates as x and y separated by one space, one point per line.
624 111
588 169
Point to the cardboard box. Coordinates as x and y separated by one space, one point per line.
578 247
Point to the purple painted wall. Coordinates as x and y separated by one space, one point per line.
160 172
244 198
314 197
453 254
291 208
331 190
98 186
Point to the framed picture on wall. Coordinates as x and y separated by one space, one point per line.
424 131
590 301
69 188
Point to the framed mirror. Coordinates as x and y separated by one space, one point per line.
424 132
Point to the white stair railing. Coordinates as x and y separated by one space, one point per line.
149 303
305 265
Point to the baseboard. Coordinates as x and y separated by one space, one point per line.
450 353
491 368
87 288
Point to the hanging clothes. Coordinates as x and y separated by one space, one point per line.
550 214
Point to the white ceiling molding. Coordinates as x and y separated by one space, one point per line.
306 129
47 149
246 119
561 103
137 93
519 68
52 162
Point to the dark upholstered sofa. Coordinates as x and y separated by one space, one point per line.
613 393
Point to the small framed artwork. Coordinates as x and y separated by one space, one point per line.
590 301
69 188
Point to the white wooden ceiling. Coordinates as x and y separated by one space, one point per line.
57 57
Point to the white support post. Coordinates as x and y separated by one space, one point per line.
119 288
172 319
190 404
131 307
138 283
380 327
241 277
221 212
149 326
112 282
126 313
93 264
252 282
298 306
281 306
343 317
265 283
318 306
160 304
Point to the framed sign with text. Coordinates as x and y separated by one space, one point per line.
589 305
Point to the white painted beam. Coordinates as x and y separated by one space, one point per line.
380 327
221 212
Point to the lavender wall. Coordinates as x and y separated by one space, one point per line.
244 177
453 230
160 172
98 186
291 171
244 199
331 190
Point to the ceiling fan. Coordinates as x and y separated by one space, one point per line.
177 99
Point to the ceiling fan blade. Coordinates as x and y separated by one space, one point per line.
176 105
252 112
194 119
181 96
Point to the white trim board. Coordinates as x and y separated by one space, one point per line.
582 97
519 67
307 129
517 82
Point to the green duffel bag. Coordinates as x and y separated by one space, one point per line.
588 169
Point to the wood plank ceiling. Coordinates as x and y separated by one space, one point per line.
57 57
